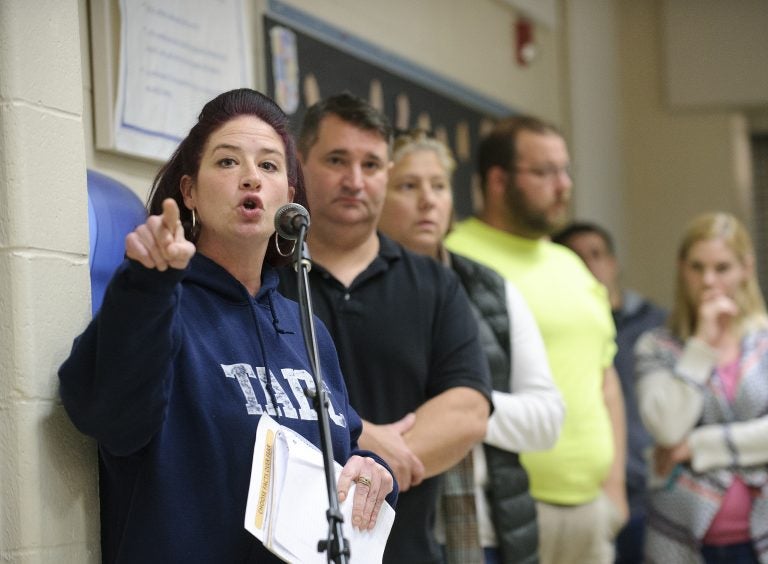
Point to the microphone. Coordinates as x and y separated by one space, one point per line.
289 220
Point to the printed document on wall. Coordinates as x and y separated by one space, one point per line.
288 500
175 55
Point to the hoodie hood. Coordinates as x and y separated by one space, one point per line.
207 274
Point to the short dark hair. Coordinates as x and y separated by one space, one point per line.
351 109
581 227
187 156
498 148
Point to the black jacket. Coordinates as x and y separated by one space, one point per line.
513 509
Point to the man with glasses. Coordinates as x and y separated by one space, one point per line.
524 167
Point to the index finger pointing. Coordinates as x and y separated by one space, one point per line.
170 214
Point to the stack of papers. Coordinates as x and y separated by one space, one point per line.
288 501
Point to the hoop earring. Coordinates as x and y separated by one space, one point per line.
194 219
279 252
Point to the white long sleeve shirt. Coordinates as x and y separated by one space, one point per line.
527 419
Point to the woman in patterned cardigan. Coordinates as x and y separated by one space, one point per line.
703 394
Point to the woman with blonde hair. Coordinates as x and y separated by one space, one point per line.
703 394
487 514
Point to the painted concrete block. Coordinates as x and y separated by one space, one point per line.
39 53
49 474
46 303
43 169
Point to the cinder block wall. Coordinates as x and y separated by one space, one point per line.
48 487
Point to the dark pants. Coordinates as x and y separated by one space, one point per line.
492 556
629 542
742 553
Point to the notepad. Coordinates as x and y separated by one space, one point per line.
288 500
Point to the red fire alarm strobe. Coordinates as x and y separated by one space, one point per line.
525 48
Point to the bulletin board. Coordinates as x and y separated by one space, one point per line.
327 61
306 59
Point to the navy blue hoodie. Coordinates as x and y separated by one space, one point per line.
170 379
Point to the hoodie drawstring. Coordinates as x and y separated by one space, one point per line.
270 390
275 320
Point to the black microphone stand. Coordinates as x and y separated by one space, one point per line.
336 546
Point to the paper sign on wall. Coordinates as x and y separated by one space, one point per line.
175 55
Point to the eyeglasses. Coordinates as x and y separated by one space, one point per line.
548 172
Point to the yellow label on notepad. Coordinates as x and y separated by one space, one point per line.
266 476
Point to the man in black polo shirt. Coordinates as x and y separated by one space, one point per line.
401 322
